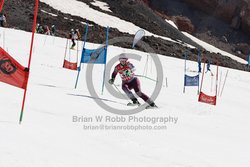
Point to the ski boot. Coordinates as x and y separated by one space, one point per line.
152 105
135 103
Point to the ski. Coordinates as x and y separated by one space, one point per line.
132 104
151 107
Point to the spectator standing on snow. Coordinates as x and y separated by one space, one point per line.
53 30
3 20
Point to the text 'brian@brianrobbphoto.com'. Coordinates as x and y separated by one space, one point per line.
132 123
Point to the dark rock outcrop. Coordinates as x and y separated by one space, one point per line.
183 23
222 23
235 12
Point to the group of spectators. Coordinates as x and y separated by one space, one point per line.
74 34
45 29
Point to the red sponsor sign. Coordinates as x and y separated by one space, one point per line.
69 65
207 99
11 72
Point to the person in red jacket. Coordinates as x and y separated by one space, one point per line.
129 81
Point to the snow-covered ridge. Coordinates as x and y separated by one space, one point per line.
81 9
52 14
212 48
104 6
171 23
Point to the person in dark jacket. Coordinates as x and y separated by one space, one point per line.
74 35
2 20
53 30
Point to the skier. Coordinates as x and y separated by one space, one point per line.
199 66
74 35
199 62
129 81
53 30
208 67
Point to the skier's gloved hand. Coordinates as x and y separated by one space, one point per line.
111 81
26 69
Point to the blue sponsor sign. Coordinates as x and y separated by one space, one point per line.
191 80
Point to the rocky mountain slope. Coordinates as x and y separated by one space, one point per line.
20 14
223 23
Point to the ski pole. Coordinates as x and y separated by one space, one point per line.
223 84
219 83
45 40
166 82
212 79
146 77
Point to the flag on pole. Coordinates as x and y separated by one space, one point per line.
69 65
11 72
191 80
138 36
94 56
207 99
199 61
204 97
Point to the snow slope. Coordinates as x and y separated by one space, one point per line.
202 136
